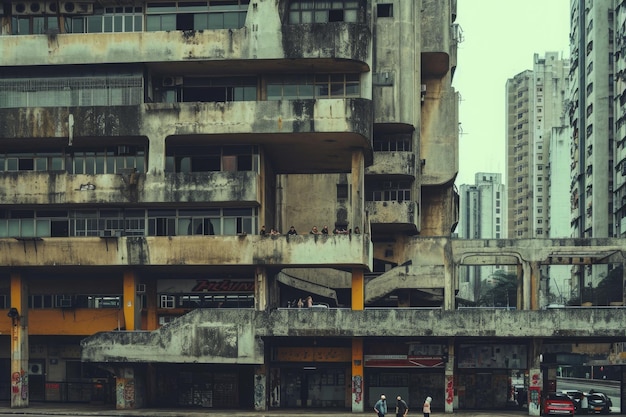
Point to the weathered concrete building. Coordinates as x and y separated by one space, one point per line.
144 146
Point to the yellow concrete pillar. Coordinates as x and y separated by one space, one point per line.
358 382
130 301
358 289
18 314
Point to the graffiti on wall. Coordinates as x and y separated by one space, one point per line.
259 392
357 388
125 393
19 386
449 389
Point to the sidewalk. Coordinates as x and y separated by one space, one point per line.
108 410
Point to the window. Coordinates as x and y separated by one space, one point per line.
70 91
34 25
324 11
233 158
401 142
294 87
384 10
207 90
196 15
388 191
342 191
108 19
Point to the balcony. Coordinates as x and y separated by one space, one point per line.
328 44
404 213
298 135
302 251
240 332
393 163
437 42
61 188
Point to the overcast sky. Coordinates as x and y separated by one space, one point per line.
500 40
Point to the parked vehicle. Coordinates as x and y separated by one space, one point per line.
558 403
598 402
579 398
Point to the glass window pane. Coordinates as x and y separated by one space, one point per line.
274 92
350 16
307 91
184 227
321 16
3 229
41 164
14 227
94 24
43 228
307 17
230 226
200 21
216 21
231 20
294 17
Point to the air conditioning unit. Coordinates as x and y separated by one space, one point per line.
22 8
76 7
52 7
35 369
172 81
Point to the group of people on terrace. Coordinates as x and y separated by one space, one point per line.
314 231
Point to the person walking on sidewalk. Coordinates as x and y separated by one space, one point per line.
427 407
381 406
402 408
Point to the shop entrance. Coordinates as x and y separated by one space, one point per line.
310 387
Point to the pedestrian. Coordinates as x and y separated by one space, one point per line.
381 406
309 301
292 231
427 407
402 409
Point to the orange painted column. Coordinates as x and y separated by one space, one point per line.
358 381
358 289
18 314
130 300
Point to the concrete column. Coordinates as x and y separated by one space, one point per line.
449 299
132 314
520 288
449 378
358 382
152 320
535 276
19 342
260 289
535 379
129 389
357 195
260 388
526 285
358 289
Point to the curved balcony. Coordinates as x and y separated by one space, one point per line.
61 188
393 163
183 251
439 145
436 38
346 45
399 214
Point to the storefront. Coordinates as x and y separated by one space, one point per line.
484 374
415 374
311 377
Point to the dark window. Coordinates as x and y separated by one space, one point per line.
342 191
385 10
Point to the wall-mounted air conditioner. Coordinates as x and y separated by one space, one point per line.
21 8
76 7
52 7
172 81
35 369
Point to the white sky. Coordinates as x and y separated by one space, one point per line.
500 40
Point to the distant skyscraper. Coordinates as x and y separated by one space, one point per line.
535 103
482 216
